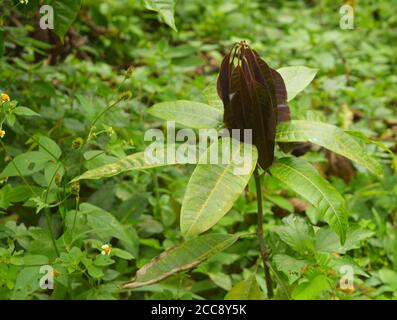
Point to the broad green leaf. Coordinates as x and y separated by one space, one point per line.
138 161
327 240
388 277
302 178
65 12
26 164
23 111
165 8
311 288
213 188
191 114
181 258
330 137
296 79
293 268
221 279
49 146
27 282
105 225
211 95
245 290
296 233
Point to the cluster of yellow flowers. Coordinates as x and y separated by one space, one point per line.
4 97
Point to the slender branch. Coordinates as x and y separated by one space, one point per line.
263 250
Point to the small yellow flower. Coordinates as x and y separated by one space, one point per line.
2 133
5 97
106 249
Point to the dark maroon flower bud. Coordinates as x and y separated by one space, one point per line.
254 97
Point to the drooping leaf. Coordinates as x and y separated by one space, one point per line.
191 114
213 188
247 289
181 258
302 178
246 87
65 12
165 8
329 137
296 79
140 161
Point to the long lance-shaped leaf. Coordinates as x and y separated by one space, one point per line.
191 114
302 178
138 161
181 258
213 188
329 137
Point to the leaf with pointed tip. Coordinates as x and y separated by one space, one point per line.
65 12
165 8
181 258
296 79
138 161
329 137
302 178
247 289
213 188
191 114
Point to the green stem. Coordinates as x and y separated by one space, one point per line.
263 249
48 219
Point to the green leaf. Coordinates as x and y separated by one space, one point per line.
105 225
327 240
122 254
187 113
23 111
388 277
312 288
212 97
296 79
213 188
296 233
181 258
26 164
245 290
65 12
293 268
50 147
165 8
138 161
302 178
330 137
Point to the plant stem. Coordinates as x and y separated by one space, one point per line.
263 250
48 219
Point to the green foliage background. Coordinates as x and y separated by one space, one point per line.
118 51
